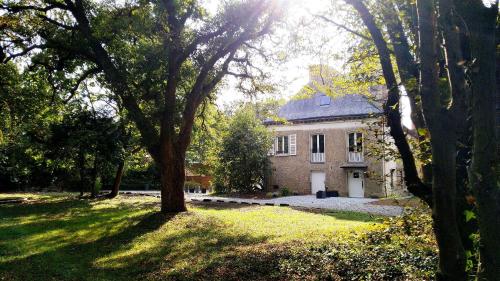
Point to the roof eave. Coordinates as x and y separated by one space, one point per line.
322 119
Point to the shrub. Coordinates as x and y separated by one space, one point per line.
243 161
285 192
191 184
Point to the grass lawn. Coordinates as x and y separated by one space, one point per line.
58 237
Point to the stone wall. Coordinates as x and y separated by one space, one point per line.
294 172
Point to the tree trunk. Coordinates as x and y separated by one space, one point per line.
442 127
172 177
83 177
451 251
94 175
407 66
484 167
118 180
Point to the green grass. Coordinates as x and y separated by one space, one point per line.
59 237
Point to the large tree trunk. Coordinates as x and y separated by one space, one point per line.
451 251
453 32
442 127
118 179
172 177
482 21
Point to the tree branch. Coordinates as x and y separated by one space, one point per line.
24 52
85 75
56 23
350 30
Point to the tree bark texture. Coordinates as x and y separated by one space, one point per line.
118 179
172 176
407 66
442 127
484 168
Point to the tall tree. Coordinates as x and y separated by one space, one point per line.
482 23
160 59
447 49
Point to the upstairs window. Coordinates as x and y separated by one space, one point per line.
355 142
281 145
318 143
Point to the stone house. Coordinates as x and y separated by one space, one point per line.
323 145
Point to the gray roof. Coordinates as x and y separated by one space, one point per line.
345 106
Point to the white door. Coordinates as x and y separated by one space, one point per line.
355 182
317 182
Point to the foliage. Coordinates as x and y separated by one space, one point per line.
285 191
160 61
191 184
243 157
209 126
87 145
27 108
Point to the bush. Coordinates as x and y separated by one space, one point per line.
285 192
269 195
243 161
191 184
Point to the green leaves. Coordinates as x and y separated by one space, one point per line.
469 215
243 158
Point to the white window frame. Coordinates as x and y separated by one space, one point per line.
362 151
291 144
277 148
322 158
355 141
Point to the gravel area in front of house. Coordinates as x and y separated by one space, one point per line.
310 201
304 201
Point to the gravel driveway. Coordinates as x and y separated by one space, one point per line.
305 201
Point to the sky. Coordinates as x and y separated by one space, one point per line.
292 74
326 45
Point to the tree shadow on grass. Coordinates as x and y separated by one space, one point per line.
342 215
222 205
122 244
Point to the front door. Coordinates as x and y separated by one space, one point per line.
317 182
355 182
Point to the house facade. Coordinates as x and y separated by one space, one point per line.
324 145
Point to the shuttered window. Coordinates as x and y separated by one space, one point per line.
286 145
293 144
281 145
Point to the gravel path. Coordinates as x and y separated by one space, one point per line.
305 201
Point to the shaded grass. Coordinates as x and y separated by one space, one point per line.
60 237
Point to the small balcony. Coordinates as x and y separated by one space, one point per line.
354 157
318 157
